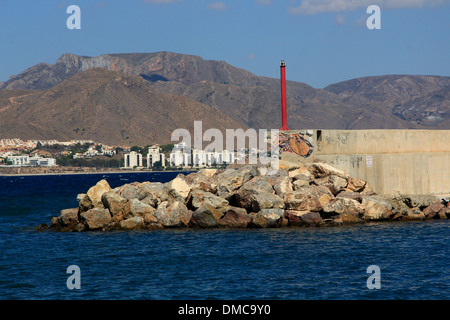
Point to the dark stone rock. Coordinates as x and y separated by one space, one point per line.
268 218
171 215
96 218
350 195
115 204
432 211
235 218
206 216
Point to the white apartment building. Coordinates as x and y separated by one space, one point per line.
19 160
180 155
154 155
132 159
25 160
180 158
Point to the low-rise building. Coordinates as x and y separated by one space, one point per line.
35 161
19 160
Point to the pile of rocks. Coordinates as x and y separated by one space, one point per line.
241 196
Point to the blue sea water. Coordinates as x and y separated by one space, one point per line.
289 264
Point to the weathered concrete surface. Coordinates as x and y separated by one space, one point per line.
392 161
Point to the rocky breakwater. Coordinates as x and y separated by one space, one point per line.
240 196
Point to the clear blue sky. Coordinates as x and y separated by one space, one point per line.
322 41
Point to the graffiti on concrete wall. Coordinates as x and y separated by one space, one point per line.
297 143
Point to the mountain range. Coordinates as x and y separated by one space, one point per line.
140 98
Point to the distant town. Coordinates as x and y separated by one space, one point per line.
87 153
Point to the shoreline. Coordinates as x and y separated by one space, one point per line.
77 171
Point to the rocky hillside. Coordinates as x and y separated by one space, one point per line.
106 106
389 102
420 100
432 109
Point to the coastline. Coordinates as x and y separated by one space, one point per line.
57 171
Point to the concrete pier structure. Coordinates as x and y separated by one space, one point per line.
412 162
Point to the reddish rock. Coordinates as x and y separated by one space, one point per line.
334 183
376 207
96 218
132 223
95 193
68 217
432 211
115 204
84 203
253 201
268 218
172 215
312 219
303 218
356 184
206 216
350 195
235 218
304 199
444 213
199 197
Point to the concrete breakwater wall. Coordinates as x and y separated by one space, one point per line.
415 162
314 194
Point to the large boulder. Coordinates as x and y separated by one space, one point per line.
199 197
68 217
254 201
444 213
376 207
258 184
96 218
129 191
261 201
206 216
355 184
84 203
152 193
132 223
204 179
350 195
302 218
235 217
432 211
115 204
299 183
178 188
95 193
333 182
67 220
289 166
174 214
304 199
136 208
301 173
319 170
232 179
348 210
209 173
280 182
268 218
417 201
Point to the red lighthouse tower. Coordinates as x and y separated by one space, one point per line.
284 126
